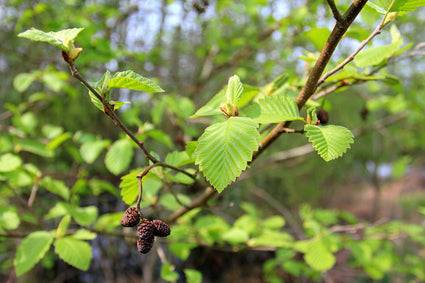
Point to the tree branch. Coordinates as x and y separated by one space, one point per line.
335 11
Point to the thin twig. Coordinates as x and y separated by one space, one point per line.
109 111
350 58
139 179
335 11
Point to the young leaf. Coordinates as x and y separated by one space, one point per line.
319 257
381 6
61 39
376 54
234 90
32 248
74 252
273 109
225 148
55 186
119 156
330 141
131 80
63 226
9 162
90 150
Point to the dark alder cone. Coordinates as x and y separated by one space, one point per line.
144 245
161 228
146 229
323 117
130 218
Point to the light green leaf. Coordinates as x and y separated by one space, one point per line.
381 6
178 158
108 222
74 252
330 141
180 249
274 109
130 187
84 215
23 81
90 150
96 101
61 39
131 80
273 222
318 257
55 186
83 234
234 90
9 162
168 272
119 156
318 37
57 141
193 276
32 248
374 55
235 236
63 226
35 147
225 148
9 218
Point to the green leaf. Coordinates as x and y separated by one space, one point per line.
63 226
180 249
130 187
57 141
235 236
56 187
74 252
35 147
131 80
234 90
225 148
32 248
83 234
119 156
96 102
318 37
381 6
193 276
273 109
9 218
90 150
374 55
319 257
330 141
168 272
61 39
109 221
23 81
84 215
9 162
